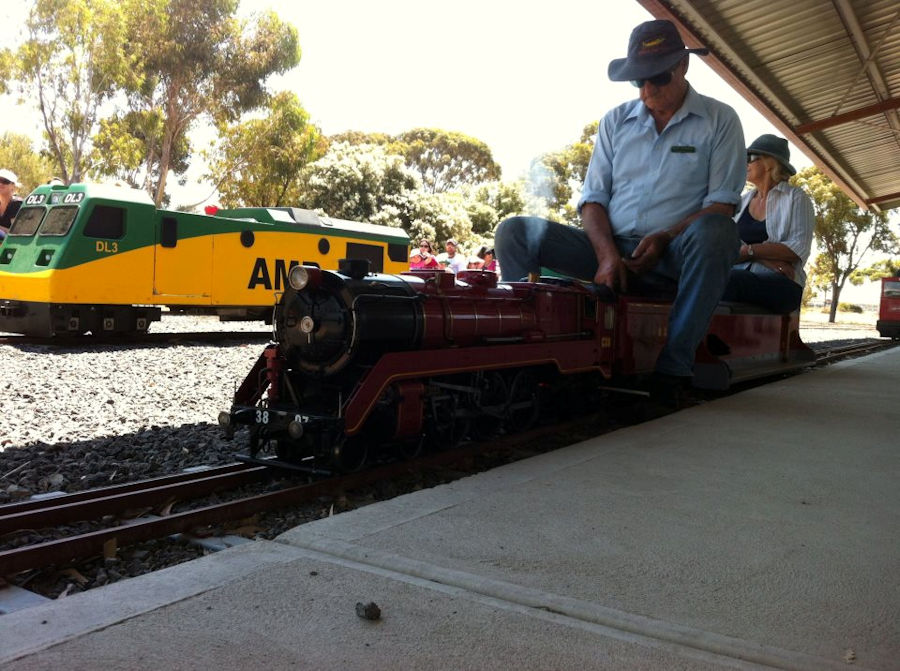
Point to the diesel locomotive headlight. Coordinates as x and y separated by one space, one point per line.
302 276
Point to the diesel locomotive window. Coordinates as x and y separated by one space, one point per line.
27 221
372 253
106 222
58 220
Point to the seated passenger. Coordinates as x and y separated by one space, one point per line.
488 262
423 257
455 261
776 223
658 200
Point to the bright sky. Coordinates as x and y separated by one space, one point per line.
525 78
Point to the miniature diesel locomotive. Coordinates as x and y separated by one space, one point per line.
888 323
103 259
363 361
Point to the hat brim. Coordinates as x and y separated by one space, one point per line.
625 70
762 152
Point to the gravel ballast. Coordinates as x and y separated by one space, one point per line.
76 417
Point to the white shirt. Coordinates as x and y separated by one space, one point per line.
790 220
456 262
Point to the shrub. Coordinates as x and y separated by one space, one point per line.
850 307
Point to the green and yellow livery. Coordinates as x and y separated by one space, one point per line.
103 259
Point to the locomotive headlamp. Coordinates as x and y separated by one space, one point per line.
302 276
224 418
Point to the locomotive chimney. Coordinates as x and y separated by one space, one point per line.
355 268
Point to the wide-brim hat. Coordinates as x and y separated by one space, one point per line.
9 175
774 146
654 47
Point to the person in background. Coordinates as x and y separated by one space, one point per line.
656 210
477 261
423 258
487 256
776 222
9 202
455 261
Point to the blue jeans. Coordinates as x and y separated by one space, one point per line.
767 288
696 266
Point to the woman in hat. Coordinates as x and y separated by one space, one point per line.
776 223
423 258
9 203
486 254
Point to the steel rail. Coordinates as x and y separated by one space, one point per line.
99 502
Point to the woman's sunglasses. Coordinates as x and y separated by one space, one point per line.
4 182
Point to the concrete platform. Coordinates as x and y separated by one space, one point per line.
757 531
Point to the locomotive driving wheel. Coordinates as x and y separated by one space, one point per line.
490 403
349 454
446 425
524 402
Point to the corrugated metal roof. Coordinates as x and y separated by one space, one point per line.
826 73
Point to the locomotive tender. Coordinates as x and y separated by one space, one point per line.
362 360
104 259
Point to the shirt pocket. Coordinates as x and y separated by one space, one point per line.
688 164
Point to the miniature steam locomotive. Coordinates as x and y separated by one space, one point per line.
366 362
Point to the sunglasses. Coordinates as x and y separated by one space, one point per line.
4 182
753 157
662 79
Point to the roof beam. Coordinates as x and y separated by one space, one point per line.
883 198
838 119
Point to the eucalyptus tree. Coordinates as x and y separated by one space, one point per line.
844 233
69 66
446 160
32 168
259 161
199 59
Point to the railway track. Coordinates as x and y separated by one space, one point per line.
830 355
110 506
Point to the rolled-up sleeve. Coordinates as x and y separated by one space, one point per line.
728 167
598 179
798 223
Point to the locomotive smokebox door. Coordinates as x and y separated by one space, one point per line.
355 268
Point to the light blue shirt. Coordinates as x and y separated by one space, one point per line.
649 181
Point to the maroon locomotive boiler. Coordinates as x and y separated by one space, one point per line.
366 361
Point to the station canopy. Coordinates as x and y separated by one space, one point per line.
825 73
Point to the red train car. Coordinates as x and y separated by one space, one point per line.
888 324
365 360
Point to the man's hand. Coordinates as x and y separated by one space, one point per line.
648 252
612 272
